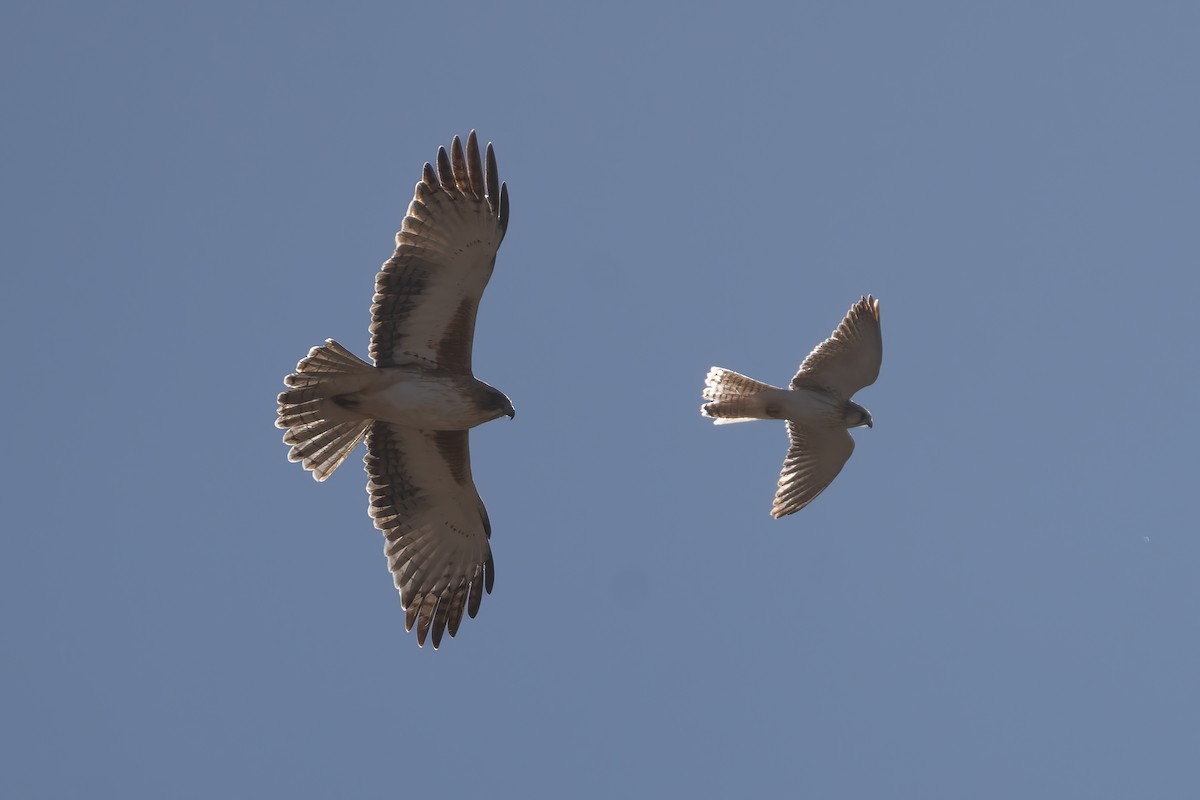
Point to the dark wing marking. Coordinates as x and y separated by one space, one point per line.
427 294
425 503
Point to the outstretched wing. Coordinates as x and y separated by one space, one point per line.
815 458
424 501
850 358
427 293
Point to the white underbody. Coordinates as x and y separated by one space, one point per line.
419 397
802 406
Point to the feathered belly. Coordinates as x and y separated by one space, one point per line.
809 407
430 402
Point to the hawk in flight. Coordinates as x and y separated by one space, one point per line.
817 405
417 402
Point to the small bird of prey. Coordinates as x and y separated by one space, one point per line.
418 400
817 405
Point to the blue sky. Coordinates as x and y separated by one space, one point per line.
996 599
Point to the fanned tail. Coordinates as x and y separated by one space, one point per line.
729 394
318 409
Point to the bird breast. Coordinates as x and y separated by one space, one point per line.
807 407
417 397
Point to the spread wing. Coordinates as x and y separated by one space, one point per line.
424 501
849 359
815 458
427 293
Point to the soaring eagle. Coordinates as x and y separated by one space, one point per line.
416 404
817 405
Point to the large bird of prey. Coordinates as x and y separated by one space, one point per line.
817 405
417 403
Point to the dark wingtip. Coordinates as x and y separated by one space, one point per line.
504 208
458 160
456 612
474 165
424 617
492 178
410 616
439 621
444 170
474 598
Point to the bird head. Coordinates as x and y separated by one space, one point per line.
497 401
856 416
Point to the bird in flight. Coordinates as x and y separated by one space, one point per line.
416 403
816 406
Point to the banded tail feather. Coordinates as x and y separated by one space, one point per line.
728 392
322 430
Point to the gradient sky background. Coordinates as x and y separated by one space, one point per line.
997 598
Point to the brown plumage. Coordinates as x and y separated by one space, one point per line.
817 405
417 402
